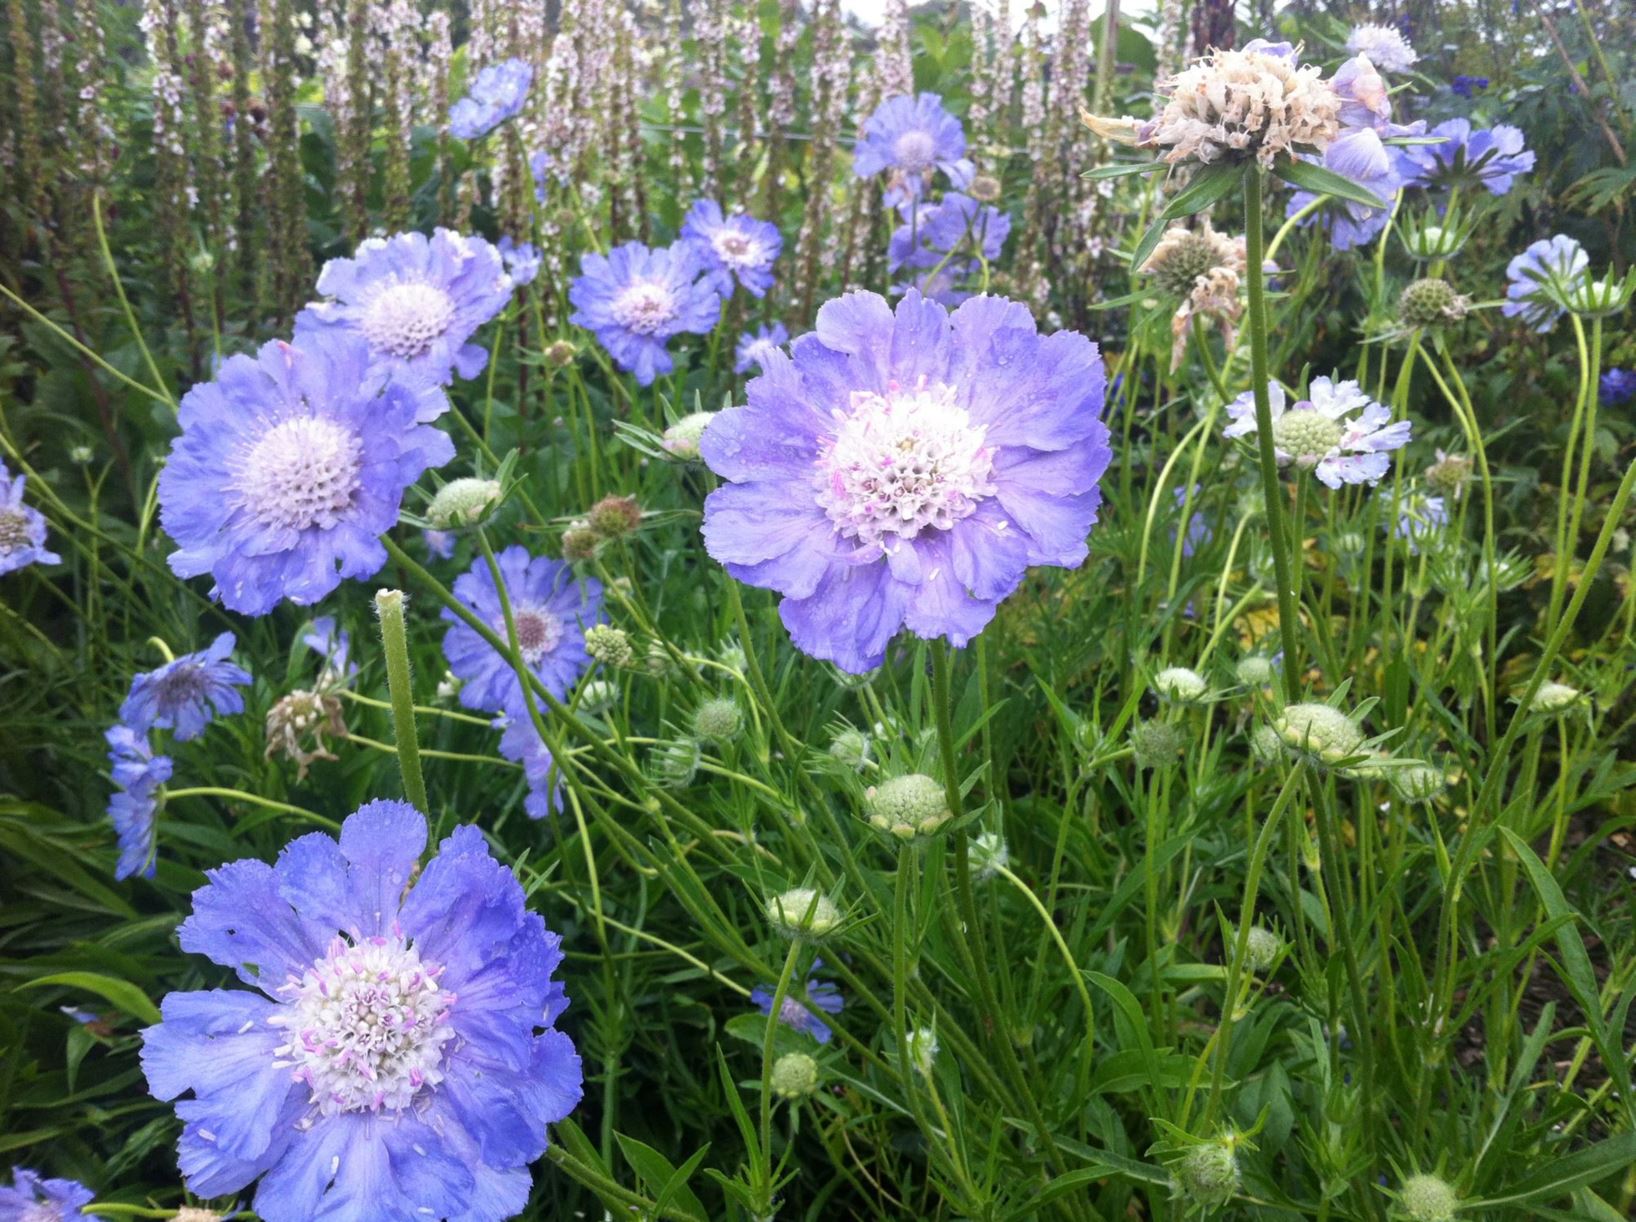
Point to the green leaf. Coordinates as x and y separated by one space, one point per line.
121 993
1122 169
668 1185
1559 1176
1320 181
1210 185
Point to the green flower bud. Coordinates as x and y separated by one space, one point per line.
989 855
1431 303
560 353
1415 782
802 912
1425 1198
1180 684
850 747
1318 731
1253 670
609 645
718 720
922 1043
907 806
462 502
1554 698
795 1076
1207 1175
681 439
1263 948
1156 743
614 517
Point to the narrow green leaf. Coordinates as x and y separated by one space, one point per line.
120 993
1320 181
664 1181
1558 1176
1209 185
1123 169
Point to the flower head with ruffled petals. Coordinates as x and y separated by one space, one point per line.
290 467
396 1054
904 468
187 693
636 299
1492 158
416 300
33 1198
753 346
496 95
1338 433
907 138
1540 278
22 529
735 248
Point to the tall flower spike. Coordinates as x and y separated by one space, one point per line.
905 468
396 1054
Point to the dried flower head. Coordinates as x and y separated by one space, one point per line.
1431 302
1449 474
1183 255
297 726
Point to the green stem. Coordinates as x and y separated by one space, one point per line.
1289 625
395 641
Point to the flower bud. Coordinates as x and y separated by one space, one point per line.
718 720
922 1043
1426 243
1156 743
1265 745
681 439
579 542
1318 731
614 517
802 912
1599 298
795 1076
1554 697
1263 948
850 747
1207 1175
1253 670
560 353
598 696
675 764
1431 303
989 855
462 502
1449 474
907 806
1425 1198
1415 782
609 645
1180 684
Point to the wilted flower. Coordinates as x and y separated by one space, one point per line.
1322 434
635 299
32 1198
417 300
823 997
401 1050
736 247
22 529
297 725
905 469
1540 279
290 467
1431 302
1258 101
521 743
1384 45
1183 255
908 138
1489 157
186 694
496 95
749 353
907 806
134 809
550 609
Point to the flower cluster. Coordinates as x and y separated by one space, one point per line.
904 468
496 95
1384 45
22 529
290 467
635 299
1338 433
399 1055
1258 102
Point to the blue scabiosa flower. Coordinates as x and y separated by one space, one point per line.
22 530
1339 434
1465 85
290 467
956 226
542 168
134 809
551 611
945 285
400 1058
32 1198
1490 157
186 694
753 347
439 543
521 743
906 139
1419 518
736 247
635 299
521 260
904 468
417 300
1540 277
496 95
1618 387
824 996
1384 45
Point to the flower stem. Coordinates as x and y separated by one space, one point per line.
1289 624
389 607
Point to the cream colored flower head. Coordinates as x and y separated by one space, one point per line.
1259 101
